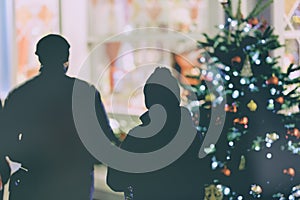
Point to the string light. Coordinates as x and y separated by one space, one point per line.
243 81
227 191
235 94
227 68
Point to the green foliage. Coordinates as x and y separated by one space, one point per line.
241 52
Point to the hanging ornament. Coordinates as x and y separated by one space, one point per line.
232 108
271 137
290 171
246 71
272 80
236 59
213 192
242 164
226 171
256 190
252 106
243 120
280 100
294 132
253 21
210 97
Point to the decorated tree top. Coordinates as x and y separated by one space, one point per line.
242 40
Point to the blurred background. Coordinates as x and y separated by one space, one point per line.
107 49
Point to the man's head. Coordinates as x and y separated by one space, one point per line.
52 50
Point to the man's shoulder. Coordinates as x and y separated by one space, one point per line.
21 89
81 85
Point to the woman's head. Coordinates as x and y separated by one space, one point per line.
161 88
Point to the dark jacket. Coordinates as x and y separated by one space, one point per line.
180 180
41 134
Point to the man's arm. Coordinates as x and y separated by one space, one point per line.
4 145
103 120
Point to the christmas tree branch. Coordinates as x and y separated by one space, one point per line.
258 8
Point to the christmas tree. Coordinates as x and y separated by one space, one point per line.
258 153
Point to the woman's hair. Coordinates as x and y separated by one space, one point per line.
161 88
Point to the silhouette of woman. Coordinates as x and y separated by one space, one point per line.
179 180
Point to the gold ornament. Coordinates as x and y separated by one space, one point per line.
213 192
272 80
246 71
252 106
272 137
242 164
210 97
256 189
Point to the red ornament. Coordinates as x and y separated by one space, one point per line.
253 21
280 100
243 120
236 59
290 171
272 80
226 171
229 108
294 132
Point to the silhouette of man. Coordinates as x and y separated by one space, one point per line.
41 133
180 180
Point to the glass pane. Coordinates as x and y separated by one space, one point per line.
289 4
34 19
291 52
124 59
292 11
114 16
